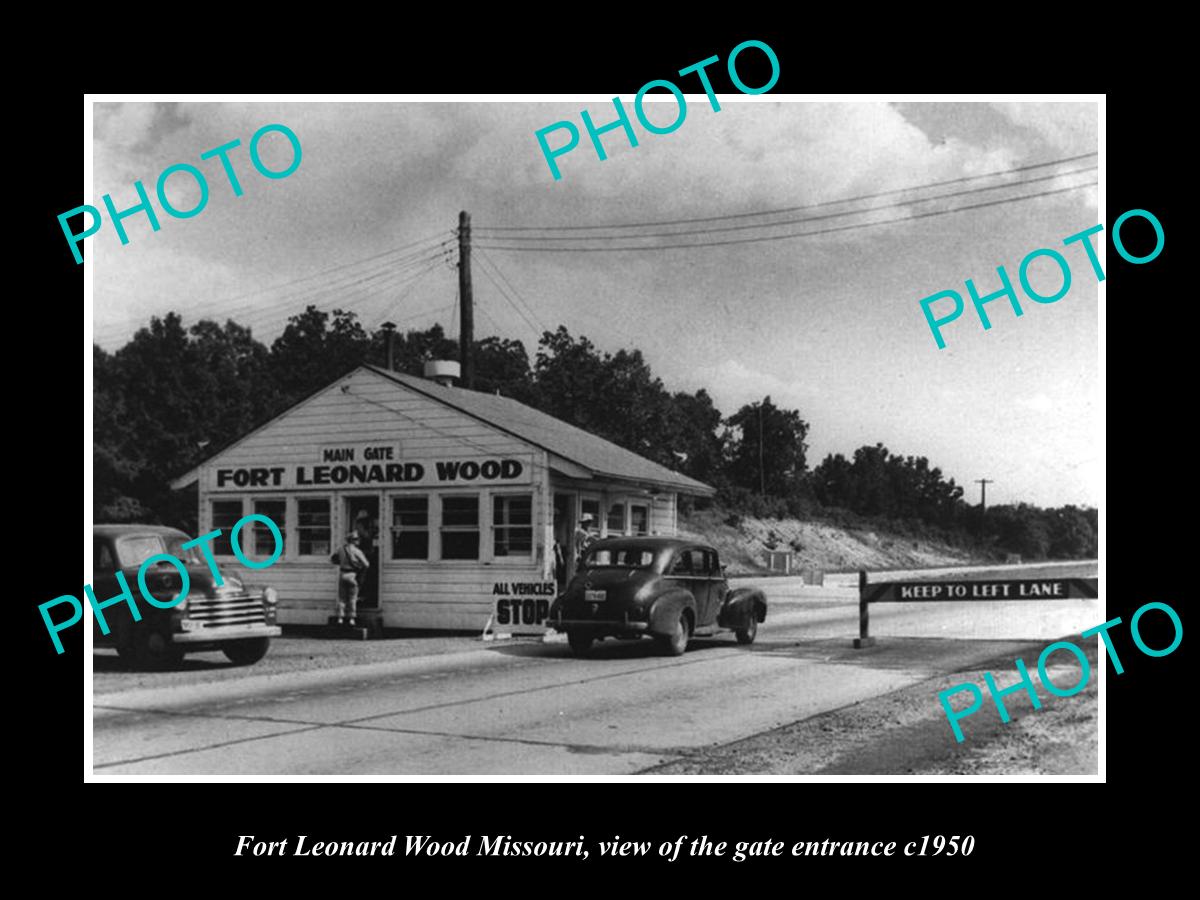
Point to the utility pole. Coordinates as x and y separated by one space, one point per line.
983 483
466 304
389 336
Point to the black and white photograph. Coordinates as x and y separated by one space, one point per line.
674 436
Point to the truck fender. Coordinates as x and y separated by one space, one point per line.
666 608
741 605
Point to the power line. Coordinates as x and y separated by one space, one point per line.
787 209
836 215
501 292
384 278
781 237
259 317
337 268
491 262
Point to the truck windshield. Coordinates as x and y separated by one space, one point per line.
135 549
620 558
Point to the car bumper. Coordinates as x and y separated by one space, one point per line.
623 624
226 633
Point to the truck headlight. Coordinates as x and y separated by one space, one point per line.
270 596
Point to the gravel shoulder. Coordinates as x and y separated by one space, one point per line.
906 732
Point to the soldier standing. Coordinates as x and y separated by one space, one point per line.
351 561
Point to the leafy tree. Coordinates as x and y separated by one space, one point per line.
769 454
315 350
692 432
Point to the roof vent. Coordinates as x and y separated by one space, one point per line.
444 371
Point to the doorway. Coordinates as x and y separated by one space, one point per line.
564 526
362 514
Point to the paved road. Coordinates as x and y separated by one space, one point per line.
530 709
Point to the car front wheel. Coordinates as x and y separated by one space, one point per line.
246 653
675 643
750 632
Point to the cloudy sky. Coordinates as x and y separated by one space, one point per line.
829 324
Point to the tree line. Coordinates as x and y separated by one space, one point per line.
173 396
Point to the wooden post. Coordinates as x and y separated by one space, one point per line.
863 639
466 302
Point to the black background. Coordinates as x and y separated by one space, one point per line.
188 831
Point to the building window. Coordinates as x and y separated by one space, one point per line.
512 525
410 527
225 514
639 519
616 518
312 527
460 527
264 541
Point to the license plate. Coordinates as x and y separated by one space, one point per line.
594 596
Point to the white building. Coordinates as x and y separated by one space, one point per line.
460 495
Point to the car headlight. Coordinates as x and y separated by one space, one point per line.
270 596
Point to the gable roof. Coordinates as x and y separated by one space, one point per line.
603 458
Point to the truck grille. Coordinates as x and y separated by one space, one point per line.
226 611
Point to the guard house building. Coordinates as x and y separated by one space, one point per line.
458 498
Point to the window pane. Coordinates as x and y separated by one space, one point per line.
513 542
410 527
460 512
460 527
512 510
512 517
225 514
410 512
312 530
639 519
616 518
410 545
264 541
460 545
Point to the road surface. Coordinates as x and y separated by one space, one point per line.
533 710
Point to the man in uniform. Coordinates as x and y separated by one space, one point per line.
351 561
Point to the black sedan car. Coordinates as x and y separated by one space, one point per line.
667 588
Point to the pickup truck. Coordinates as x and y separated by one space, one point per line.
227 618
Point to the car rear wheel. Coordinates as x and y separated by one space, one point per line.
750 632
580 641
246 653
676 643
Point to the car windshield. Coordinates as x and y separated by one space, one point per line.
135 549
619 558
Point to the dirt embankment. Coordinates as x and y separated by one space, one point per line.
743 546
907 732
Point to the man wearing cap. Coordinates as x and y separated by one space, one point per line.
350 561
583 537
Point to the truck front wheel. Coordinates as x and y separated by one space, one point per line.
248 652
152 649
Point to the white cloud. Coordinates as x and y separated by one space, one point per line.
1038 403
1069 127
